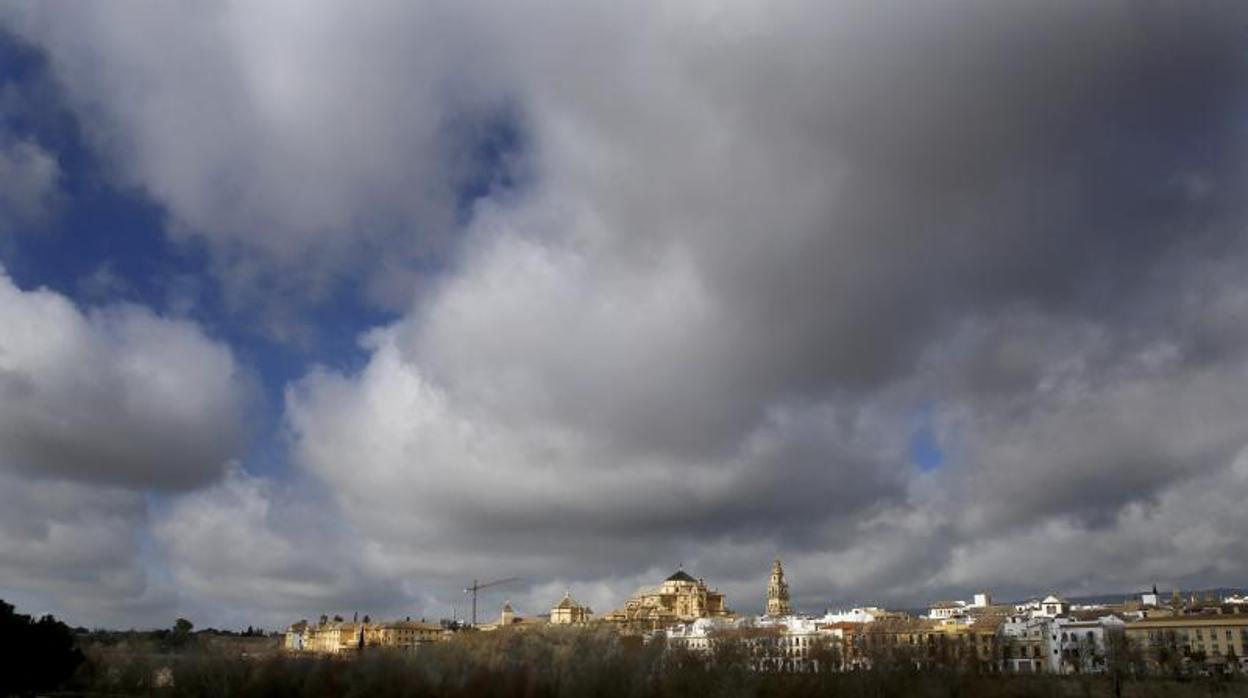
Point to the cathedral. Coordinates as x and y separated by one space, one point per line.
683 599
778 592
679 599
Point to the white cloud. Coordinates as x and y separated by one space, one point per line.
99 411
281 152
248 540
117 395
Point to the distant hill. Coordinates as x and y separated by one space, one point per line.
1164 595
1116 597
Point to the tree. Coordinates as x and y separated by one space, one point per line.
1086 656
42 653
1123 659
1165 652
176 638
826 655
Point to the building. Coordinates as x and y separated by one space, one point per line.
1081 646
848 638
1210 639
1053 606
942 610
769 643
326 637
1024 644
926 643
776 641
679 599
697 636
403 634
795 646
341 637
293 640
863 614
778 592
568 611
1036 642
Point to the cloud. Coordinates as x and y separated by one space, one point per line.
100 410
688 310
117 395
249 538
713 315
281 155
29 179
78 550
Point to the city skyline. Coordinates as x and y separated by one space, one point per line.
312 306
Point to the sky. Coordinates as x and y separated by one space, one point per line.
314 307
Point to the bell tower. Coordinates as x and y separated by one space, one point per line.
778 592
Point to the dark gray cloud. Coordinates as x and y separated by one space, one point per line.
751 249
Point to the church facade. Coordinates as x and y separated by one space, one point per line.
569 612
679 599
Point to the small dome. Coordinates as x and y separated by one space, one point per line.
681 576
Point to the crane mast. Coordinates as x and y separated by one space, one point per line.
476 587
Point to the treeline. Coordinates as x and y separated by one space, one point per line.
36 655
592 662
181 637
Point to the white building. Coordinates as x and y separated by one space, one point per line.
696 636
865 614
1027 606
1080 646
1035 642
774 643
943 610
1052 606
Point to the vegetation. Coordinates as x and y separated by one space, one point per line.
561 661
35 655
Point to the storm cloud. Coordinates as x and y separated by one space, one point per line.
684 284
